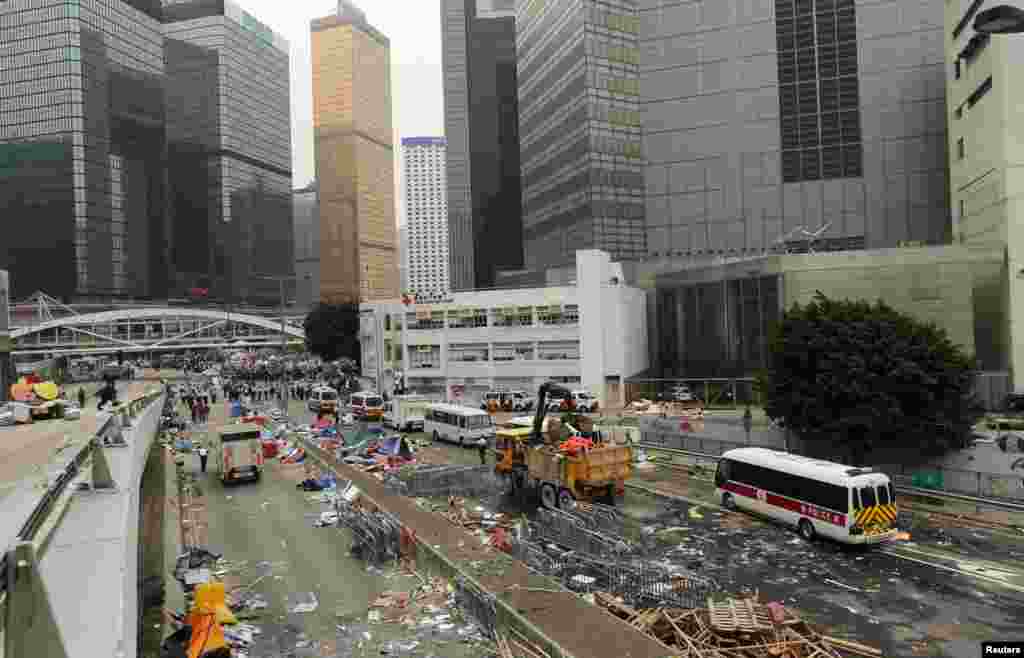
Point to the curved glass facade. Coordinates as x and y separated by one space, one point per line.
121 173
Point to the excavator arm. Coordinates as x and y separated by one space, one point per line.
553 389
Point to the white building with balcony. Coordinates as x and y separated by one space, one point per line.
590 335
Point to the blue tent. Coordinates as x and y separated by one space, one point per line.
395 446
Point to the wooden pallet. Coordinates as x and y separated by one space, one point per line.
743 616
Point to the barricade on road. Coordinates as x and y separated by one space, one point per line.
570 531
639 583
477 604
444 481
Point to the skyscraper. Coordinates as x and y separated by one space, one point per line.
580 130
82 148
144 149
769 122
354 151
482 129
426 215
229 149
306 212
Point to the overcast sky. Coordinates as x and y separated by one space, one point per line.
414 28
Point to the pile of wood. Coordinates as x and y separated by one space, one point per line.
736 628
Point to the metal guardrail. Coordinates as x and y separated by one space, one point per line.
976 500
45 506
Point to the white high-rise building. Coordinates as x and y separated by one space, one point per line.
426 216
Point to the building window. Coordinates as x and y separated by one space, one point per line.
513 352
467 318
960 151
424 320
559 351
467 353
425 356
550 315
819 100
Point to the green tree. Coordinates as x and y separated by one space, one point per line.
332 331
852 377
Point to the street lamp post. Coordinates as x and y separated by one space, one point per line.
284 335
1003 19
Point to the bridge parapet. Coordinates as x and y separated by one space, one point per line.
78 520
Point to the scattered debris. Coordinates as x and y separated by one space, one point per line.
739 628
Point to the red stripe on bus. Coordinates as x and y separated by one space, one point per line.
794 506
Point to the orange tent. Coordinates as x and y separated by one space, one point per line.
207 634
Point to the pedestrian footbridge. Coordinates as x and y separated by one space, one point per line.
70 576
150 329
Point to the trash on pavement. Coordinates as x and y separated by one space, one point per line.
302 603
762 630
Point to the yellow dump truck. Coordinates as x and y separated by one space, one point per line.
561 478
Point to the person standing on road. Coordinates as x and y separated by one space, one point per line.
748 422
203 455
481 445
81 398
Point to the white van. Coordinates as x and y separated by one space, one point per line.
367 405
239 454
406 413
462 425
323 399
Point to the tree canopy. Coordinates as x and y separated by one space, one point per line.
865 377
332 332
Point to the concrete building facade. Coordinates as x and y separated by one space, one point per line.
591 334
482 129
986 157
426 215
354 157
306 214
768 121
580 129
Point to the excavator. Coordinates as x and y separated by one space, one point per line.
562 476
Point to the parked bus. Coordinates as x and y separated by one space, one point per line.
818 498
462 425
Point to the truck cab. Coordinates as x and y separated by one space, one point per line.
239 453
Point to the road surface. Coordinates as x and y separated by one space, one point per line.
266 529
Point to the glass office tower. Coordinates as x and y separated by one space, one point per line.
134 167
579 123
82 147
229 143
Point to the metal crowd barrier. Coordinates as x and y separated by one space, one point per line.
376 536
639 583
445 481
477 604
568 530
